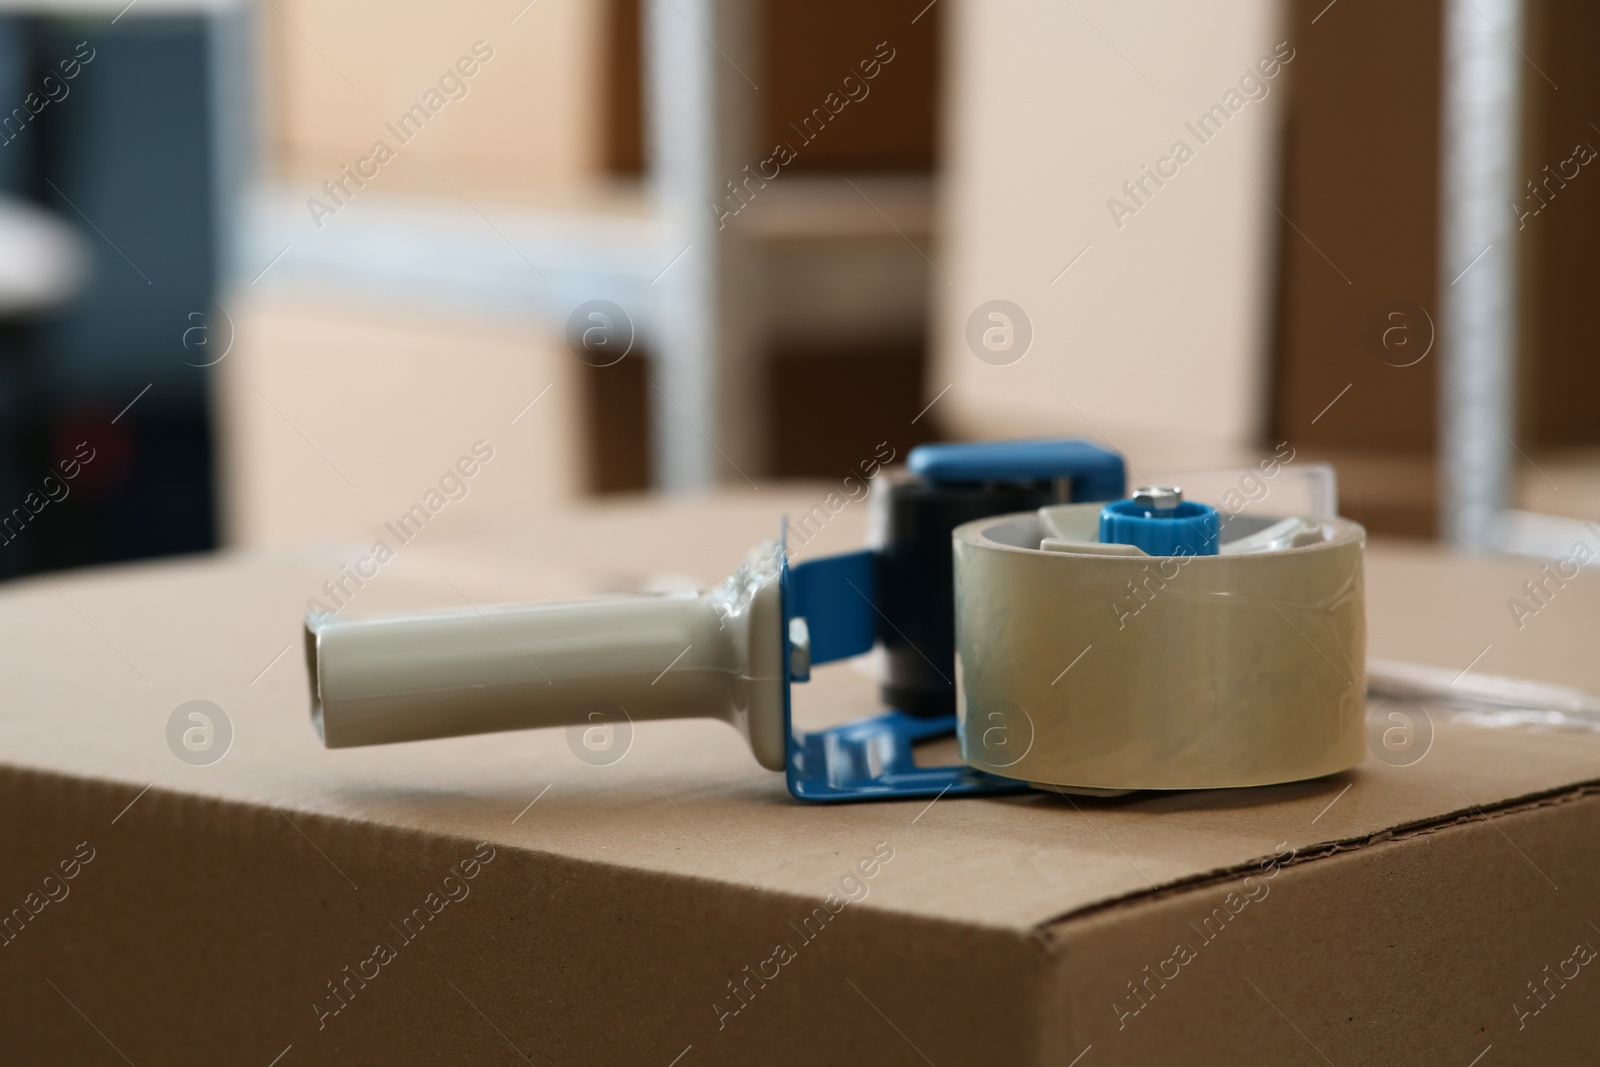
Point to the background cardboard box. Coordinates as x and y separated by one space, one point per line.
636 912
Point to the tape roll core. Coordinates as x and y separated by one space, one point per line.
1113 672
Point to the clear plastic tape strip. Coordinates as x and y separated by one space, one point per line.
1489 701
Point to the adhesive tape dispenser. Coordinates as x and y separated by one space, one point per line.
1070 638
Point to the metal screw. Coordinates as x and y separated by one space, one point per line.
1158 497
800 650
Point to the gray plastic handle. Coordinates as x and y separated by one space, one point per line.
715 654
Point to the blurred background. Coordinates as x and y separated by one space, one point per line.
268 269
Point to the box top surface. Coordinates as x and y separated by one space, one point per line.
98 660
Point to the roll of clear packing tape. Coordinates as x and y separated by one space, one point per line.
1082 667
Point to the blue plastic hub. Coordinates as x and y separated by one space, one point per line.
1189 529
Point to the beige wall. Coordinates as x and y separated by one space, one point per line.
336 416
1158 333
531 116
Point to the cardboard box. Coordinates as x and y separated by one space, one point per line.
453 92
1140 187
336 413
497 898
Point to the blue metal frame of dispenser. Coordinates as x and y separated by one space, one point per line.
837 597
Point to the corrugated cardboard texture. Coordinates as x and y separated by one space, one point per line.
222 901
1414 949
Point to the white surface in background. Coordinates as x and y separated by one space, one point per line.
1528 533
42 259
